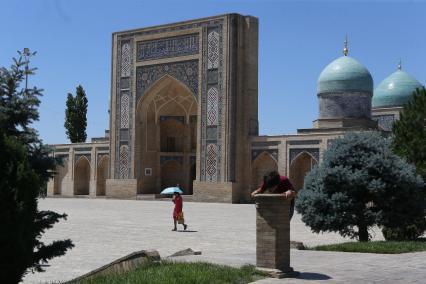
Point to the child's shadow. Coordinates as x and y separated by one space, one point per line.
187 231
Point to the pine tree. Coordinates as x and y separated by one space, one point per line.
410 132
359 184
76 116
25 167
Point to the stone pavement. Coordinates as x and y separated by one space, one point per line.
104 230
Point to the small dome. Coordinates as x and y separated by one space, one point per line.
395 90
345 74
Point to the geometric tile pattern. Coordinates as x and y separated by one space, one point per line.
168 47
124 121
184 71
125 59
313 152
211 163
124 162
164 159
385 122
213 50
212 106
257 152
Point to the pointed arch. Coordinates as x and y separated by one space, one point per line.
82 176
304 152
299 167
163 124
261 166
158 86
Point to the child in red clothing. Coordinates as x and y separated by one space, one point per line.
177 211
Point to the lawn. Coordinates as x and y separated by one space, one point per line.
179 272
386 247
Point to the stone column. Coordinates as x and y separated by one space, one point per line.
273 235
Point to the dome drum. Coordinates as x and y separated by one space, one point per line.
347 105
345 89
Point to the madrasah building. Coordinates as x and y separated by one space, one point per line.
184 110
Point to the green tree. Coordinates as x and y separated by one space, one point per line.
76 116
360 183
25 167
410 132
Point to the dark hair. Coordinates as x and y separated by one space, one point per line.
272 179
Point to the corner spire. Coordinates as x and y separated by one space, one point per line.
399 65
345 49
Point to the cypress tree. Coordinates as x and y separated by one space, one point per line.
76 116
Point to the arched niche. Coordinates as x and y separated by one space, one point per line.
82 176
261 166
299 167
166 116
102 174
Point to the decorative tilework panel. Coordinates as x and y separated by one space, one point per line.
385 122
211 117
213 50
178 118
314 152
212 106
257 152
304 142
124 162
124 112
164 159
83 149
211 133
125 83
211 163
265 143
212 76
184 71
168 47
78 156
126 58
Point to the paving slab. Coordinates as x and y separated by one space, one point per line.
105 229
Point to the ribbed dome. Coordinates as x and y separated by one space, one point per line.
345 74
395 90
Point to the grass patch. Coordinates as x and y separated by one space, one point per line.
386 247
166 272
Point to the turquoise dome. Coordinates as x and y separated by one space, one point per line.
345 74
395 90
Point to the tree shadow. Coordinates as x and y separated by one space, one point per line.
313 276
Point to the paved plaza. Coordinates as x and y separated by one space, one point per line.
104 230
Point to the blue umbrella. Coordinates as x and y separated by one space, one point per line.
171 190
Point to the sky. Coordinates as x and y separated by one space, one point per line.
297 39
